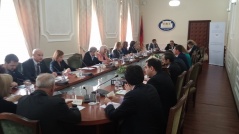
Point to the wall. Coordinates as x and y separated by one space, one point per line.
153 11
232 55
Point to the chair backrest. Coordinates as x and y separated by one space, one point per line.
14 124
47 61
202 52
189 74
175 116
194 73
75 60
179 83
186 88
19 67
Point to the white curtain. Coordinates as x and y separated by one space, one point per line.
124 16
28 16
99 6
84 14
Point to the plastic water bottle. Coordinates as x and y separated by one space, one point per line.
97 97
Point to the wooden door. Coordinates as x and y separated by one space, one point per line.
198 31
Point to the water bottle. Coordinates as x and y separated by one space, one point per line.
80 73
97 97
117 84
73 93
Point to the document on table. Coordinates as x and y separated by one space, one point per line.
75 101
121 92
87 68
80 107
114 104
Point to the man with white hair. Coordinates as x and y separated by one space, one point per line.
89 58
35 66
52 112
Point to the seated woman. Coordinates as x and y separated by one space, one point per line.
132 48
102 55
192 47
6 104
117 50
125 48
58 64
187 56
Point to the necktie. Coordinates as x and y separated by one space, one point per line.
38 69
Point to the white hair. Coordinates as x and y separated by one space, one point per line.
45 80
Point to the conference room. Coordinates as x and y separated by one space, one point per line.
78 28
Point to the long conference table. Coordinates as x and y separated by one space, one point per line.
92 115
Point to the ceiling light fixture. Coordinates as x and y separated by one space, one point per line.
174 3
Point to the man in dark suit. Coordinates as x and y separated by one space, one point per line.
141 110
174 68
89 58
153 45
35 66
52 112
162 82
10 67
171 45
178 52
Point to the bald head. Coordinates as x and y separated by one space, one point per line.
37 55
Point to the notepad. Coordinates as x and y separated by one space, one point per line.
75 101
121 92
87 68
116 105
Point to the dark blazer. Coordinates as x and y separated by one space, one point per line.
165 87
7 106
88 60
184 58
16 75
29 69
181 64
152 46
132 50
52 112
55 67
116 53
194 48
169 46
125 51
174 71
140 112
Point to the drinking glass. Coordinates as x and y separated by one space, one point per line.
27 84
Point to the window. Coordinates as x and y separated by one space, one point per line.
95 40
11 36
129 36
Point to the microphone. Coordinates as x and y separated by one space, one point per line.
103 92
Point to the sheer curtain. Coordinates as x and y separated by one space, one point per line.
85 14
27 12
99 6
124 19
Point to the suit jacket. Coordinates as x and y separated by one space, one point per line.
181 64
132 50
88 60
184 58
125 51
7 106
55 67
152 46
29 70
169 46
140 112
16 75
174 71
52 112
165 87
194 48
116 53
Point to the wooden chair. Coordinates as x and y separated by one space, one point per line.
185 90
193 75
47 61
179 84
75 60
14 124
174 118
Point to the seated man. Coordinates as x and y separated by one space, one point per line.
171 45
162 82
52 112
10 67
89 58
153 45
141 111
174 68
178 51
34 66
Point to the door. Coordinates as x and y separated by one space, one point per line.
198 31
